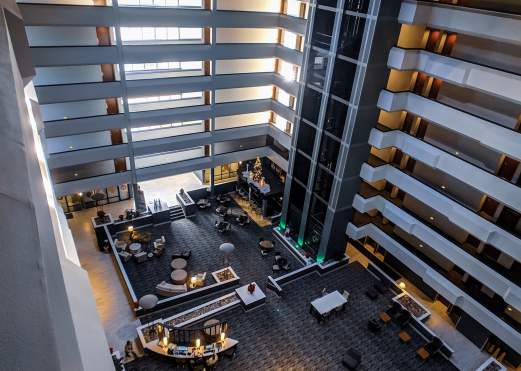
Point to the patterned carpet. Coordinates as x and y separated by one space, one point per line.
199 235
282 335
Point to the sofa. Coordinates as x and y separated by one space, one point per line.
167 289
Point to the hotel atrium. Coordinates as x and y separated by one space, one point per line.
261 184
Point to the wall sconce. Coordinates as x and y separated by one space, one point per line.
193 281
130 228
402 285
197 343
223 336
165 341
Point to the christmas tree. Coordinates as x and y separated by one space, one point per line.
257 171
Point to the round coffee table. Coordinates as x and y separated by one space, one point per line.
179 276
266 244
178 263
134 247
212 330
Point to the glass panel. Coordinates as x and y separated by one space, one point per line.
306 138
331 3
317 68
360 6
335 117
301 168
323 183
329 151
296 200
311 105
318 210
351 35
323 28
343 77
314 227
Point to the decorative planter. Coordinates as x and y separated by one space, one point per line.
225 274
417 310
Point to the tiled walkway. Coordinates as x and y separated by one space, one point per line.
117 317
282 335
199 235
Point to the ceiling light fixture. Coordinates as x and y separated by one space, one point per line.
443 187
431 217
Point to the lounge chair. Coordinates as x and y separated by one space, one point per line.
352 359
373 326
167 289
394 310
371 294
403 318
426 351
125 256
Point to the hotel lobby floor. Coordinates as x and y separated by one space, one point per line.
199 235
283 335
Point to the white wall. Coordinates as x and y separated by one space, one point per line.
440 220
469 149
247 35
489 52
63 2
67 75
422 247
61 36
484 105
244 65
165 158
80 141
460 190
250 5
165 132
242 94
165 104
58 111
227 122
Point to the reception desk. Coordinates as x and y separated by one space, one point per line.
183 352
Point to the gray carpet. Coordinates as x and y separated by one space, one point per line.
282 335
199 235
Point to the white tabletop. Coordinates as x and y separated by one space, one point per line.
327 303
248 298
135 247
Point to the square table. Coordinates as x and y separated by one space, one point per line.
404 336
385 317
252 300
328 302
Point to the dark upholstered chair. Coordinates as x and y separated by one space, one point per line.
352 359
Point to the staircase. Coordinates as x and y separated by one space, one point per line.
176 213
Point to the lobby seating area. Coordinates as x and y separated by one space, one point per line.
293 334
197 240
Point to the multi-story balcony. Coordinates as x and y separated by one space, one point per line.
463 73
489 134
456 212
499 26
450 164
462 294
444 247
